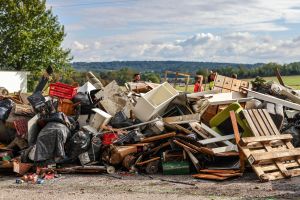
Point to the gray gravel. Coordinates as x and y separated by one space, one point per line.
127 186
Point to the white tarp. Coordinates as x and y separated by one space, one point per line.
14 81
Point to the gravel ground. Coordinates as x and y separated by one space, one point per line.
126 186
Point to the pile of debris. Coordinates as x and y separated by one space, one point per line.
152 128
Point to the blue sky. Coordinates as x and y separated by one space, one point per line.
194 30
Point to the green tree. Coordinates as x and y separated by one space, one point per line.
151 76
31 37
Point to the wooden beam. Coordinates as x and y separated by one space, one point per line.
246 140
281 154
158 137
272 99
237 139
184 146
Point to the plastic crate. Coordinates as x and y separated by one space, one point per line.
62 90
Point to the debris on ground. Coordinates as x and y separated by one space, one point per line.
151 128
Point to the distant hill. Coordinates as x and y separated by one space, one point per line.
156 66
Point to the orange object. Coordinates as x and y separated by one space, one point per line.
66 106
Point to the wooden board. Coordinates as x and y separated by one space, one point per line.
236 85
260 122
219 81
228 84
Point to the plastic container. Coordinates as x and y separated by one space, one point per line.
66 106
100 119
109 138
154 102
62 90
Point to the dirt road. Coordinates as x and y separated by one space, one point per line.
143 187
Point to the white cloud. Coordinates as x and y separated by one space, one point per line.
216 30
97 45
232 47
79 46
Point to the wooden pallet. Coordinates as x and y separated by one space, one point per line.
227 84
260 122
271 155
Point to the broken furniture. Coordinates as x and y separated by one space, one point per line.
221 121
154 102
100 119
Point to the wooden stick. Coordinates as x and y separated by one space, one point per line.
147 161
237 139
158 137
279 76
184 146
194 160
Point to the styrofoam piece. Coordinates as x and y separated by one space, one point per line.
100 119
154 102
87 87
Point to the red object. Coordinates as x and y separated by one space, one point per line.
62 90
109 138
198 87
21 127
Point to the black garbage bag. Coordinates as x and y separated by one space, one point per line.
5 108
120 120
60 117
78 144
93 154
50 142
85 102
295 132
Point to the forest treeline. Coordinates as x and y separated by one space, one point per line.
154 71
